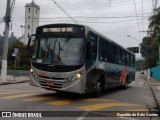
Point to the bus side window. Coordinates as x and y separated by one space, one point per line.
111 53
92 45
133 61
103 49
123 57
93 48
129 59
118 57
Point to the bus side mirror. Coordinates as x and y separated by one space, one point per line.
88 55
29 42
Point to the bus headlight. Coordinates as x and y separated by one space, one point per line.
78 76
75 77
31 70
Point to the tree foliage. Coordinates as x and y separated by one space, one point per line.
154 24
23 57
12 39
140 64
150 45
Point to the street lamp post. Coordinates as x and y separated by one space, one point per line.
147 55
22 32
133 38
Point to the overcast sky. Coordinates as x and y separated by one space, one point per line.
113 18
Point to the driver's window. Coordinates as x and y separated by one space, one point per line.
93 39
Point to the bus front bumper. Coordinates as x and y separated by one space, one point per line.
74 87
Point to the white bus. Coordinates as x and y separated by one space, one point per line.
75 58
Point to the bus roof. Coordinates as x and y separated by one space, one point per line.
87 28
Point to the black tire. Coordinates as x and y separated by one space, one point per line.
125 86
98 91
59 92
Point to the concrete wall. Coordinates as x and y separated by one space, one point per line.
18 72
155 72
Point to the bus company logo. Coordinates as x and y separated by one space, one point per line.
6 114
42 73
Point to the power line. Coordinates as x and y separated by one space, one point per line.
64 11
142 18
76 7
93 17
52 10
82 4
137 17
12 6
91 5
86 21
70 5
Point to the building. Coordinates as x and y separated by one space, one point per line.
32 13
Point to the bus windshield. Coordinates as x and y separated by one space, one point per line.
59 51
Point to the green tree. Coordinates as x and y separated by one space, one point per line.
12 39
154 24
150 45
23 57
140 64
149 50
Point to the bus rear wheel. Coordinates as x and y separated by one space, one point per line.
125 86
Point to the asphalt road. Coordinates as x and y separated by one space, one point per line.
22 97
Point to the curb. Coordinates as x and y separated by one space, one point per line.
14 82
154 95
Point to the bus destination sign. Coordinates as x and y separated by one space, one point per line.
61 30
58 29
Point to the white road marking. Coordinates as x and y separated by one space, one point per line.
83 116
141 83
158 87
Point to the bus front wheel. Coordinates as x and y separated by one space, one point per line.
98 89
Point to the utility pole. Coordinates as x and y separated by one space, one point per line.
7 20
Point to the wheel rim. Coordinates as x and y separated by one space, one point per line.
98 87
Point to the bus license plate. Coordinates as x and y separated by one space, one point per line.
49 83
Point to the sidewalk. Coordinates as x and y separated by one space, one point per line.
11 79
155 87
